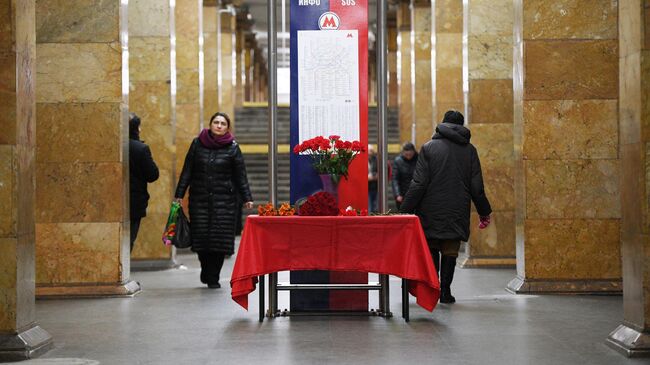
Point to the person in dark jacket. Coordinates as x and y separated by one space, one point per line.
403 168
142 170
372 179
214 171
447 179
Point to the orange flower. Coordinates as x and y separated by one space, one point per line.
286 210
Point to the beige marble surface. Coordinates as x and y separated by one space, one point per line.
7 116
60 198
557 70
73 133
90 253
567 19
8 191
449 85
491 17
8 284
449 50
571 129
491 101
572 189
77 21
73 72
149 18
498 239
449 16
151 101
572 249
149 59
490 57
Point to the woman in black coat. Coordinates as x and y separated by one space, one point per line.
214 171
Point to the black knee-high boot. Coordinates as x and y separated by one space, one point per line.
447 267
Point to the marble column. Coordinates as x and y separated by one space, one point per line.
82 213
632 337
20 336
211 53
421 63
189 111
448 73
404 75
227 63
240 63
490 117
150 97
566 140
393 85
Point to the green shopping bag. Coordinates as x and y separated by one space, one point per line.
170 227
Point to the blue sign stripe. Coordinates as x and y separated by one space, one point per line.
304 179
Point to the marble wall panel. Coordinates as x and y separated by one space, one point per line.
491 17
151 102
7 191
449 85
490 57
90 254
499 185
72 133
449 16
77 21
88 72
187 18
149 58
572 189
187 53
449 50
422 32
8 70
6 31
571 129
8 117
8 283
498 239
148 245
60 198
491 101
645 92
404 90
571 70
573 249
148 18
571 19
187 87
159 138
494 143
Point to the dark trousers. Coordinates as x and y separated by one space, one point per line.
372 201
211 263
135 227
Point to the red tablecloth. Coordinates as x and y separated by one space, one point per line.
393 245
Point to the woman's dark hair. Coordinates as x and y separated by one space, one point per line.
408 146
134 126
220 114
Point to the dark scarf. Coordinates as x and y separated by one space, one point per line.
209 140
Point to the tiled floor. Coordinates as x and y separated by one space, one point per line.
176 320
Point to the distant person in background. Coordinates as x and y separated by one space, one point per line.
142 170
215 174
446 181
403 168
372 179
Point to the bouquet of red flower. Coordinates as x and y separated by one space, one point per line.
321 203
351 212
330 155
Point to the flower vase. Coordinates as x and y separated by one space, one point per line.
330 185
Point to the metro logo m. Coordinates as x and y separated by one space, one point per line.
329 21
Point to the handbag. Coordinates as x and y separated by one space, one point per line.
183 237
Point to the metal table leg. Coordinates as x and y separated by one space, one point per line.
261 296
405 300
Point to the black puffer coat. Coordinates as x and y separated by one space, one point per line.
213 177
142 170
403 174
447 179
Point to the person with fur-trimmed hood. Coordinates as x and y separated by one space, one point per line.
446 180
